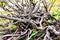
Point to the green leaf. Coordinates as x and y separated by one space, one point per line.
33 31
56 15
13 27
36 35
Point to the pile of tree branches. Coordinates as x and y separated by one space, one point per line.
29 15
